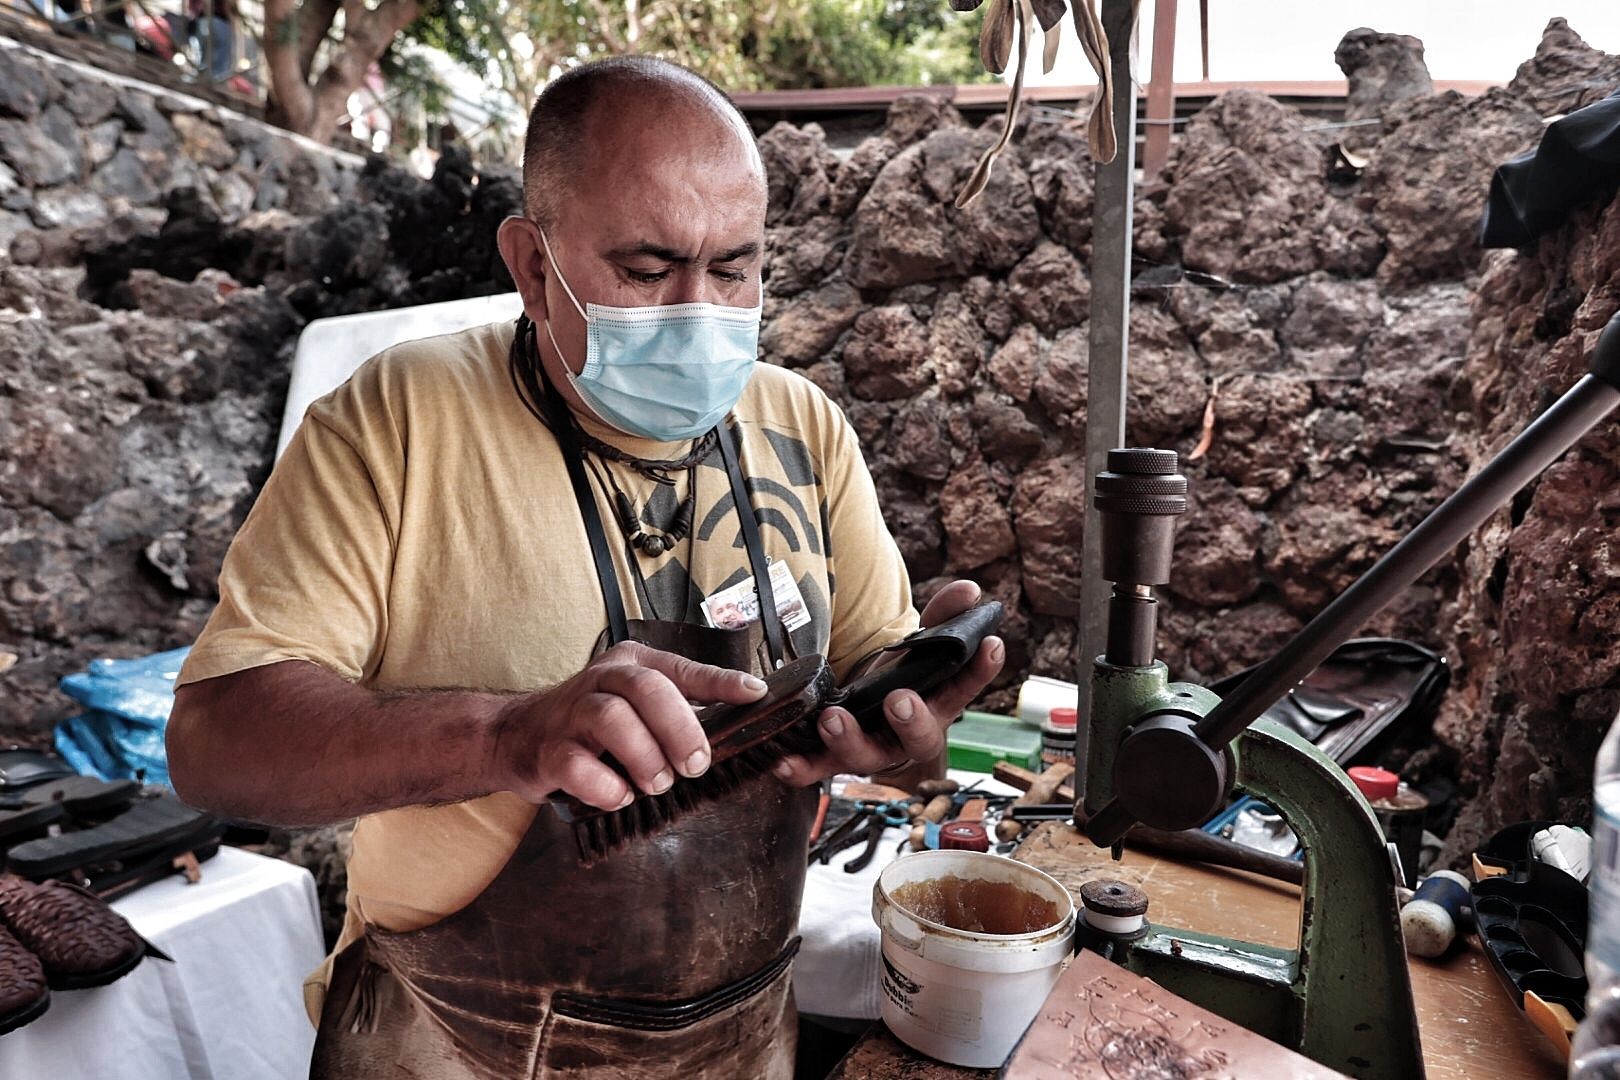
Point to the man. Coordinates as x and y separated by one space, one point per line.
476 516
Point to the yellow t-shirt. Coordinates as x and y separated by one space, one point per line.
421 532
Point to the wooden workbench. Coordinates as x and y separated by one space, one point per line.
1470 1030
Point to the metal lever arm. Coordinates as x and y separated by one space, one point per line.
1586 404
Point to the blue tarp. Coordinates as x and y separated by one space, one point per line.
120 737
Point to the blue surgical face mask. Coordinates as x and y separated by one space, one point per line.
667 372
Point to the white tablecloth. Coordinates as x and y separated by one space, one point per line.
229 1008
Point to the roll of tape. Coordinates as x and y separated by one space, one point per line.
1430 919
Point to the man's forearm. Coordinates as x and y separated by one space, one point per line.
294 744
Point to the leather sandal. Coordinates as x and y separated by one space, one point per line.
150 826
24 995
26 812
20 821
85 798
23 768
79 940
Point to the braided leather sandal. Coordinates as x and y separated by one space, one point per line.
80 941
24 996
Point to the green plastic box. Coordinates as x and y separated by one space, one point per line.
979 740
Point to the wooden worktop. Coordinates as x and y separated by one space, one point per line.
1470 1030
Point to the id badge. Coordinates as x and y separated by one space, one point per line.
735 607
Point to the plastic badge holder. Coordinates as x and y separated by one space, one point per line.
1531 921
979 740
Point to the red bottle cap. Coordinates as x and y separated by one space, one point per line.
1062 717
1375 783
963 836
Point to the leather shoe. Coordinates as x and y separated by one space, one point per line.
80 941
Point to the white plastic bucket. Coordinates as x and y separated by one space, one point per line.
960 996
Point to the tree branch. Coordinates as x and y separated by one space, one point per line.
366 36
605 23
291 101
314 24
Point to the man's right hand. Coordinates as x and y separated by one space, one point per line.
631 702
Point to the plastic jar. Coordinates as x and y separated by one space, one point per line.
1058 735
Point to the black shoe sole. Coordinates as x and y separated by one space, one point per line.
13 1021
148 825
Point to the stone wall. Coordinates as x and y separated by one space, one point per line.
1315 325
158 257
1538 629
1321 324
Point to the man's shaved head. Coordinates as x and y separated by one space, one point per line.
624 91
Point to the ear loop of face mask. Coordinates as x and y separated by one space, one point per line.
563 281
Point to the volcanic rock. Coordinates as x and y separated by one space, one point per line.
1048 507
1382 69
1566 73
907 229
1432 173
1049 289
973 511
886 355
806 328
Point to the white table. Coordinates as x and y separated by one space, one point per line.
229 1008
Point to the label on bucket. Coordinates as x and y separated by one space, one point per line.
954 1015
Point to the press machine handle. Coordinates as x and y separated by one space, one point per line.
1193 754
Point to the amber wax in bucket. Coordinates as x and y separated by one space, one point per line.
972 944
976 905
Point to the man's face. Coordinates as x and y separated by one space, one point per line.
667 207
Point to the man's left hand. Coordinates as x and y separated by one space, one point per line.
919 723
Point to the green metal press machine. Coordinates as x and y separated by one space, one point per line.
1169 755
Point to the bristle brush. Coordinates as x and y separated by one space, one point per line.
746 741
742 745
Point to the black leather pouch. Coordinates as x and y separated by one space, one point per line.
1368 692
923 662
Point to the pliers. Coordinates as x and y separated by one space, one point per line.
867 824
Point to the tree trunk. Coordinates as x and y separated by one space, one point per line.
314 108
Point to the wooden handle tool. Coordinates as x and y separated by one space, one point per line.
1043 789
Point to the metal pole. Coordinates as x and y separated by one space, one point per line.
1203 35
1109 339
1161 103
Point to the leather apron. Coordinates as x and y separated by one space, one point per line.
671 957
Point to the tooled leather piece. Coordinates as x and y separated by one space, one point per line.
22 976
72 932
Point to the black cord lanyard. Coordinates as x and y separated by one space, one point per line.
556 418
769 619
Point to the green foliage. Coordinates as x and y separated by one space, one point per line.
740 44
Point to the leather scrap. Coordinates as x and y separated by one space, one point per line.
1009 19
1094 42
1104 1022
1049 13
980 177
995 40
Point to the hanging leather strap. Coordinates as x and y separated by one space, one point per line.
775 639
601 554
